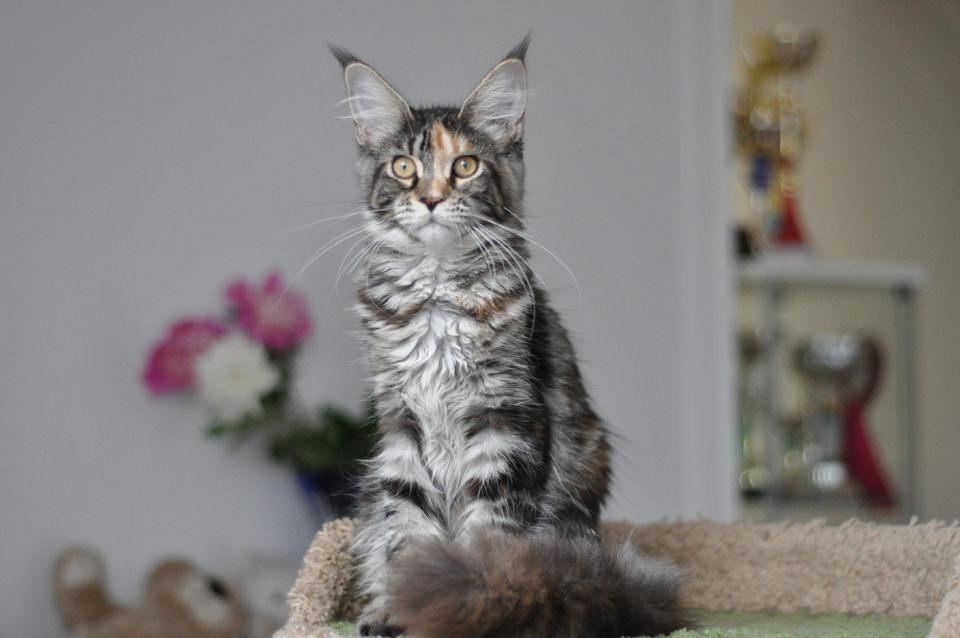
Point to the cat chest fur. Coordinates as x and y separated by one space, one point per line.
435 362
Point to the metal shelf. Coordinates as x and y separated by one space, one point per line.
803 269
772 275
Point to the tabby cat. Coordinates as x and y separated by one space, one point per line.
479 510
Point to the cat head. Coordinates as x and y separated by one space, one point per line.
440 178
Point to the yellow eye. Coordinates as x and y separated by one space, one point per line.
404 167
465 166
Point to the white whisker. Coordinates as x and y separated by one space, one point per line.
354 212
515 216
355 260
496 244
500 241
340 271
328 246
487 258
541 247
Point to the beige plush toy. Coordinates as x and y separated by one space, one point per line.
180 602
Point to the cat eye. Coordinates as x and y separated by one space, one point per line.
404 167
465 166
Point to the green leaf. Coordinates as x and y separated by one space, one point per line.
332 438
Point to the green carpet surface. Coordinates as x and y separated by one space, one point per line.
738 624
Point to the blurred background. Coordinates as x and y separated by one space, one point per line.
151 153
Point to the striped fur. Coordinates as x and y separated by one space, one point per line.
485 422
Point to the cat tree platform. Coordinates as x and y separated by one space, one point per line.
857 568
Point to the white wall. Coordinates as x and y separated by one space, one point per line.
881 179
152 151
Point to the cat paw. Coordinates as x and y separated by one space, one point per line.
375 621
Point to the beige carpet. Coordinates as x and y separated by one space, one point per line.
857 568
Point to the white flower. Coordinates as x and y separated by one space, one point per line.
233 374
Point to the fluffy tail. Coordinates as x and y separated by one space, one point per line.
513 587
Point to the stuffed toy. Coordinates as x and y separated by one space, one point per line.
263 582
180 602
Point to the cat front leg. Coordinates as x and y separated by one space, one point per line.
400 506
504 473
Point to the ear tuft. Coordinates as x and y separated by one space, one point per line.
378 110
496 107
519 52
344 57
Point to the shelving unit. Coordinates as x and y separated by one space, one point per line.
774 277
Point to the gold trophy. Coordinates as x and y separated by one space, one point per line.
770 131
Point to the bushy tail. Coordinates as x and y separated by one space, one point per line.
507 586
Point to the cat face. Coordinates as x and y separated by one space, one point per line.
441 178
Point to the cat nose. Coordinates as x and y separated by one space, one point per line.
431 201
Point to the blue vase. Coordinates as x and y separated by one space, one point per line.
332 493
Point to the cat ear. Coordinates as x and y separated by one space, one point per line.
496 106
378 110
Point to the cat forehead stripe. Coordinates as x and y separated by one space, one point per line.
445 143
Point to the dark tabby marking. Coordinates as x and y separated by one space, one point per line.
480 507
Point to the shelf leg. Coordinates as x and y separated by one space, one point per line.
771 295
903 302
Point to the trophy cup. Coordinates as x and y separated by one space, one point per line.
770 130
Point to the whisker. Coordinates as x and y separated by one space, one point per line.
340 271
524 277
513 251
327 247
523 223
355 260
338 240
517 257
309 205
538 245
359 256
380 244
356 211
340 103
487 258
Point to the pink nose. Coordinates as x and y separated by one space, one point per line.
431 201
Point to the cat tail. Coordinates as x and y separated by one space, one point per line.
509 586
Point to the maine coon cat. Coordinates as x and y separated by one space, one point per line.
479 510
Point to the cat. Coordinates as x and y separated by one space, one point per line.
479 509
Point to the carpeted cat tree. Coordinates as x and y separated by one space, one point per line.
857 568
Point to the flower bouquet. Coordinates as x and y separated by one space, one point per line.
242 368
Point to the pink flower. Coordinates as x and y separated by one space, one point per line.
276 318
170 366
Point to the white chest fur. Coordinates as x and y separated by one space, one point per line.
429 361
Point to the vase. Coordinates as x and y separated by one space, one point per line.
331 493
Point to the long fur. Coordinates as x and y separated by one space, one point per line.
486 427
513 587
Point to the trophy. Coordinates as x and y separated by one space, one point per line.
841 375
770 130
